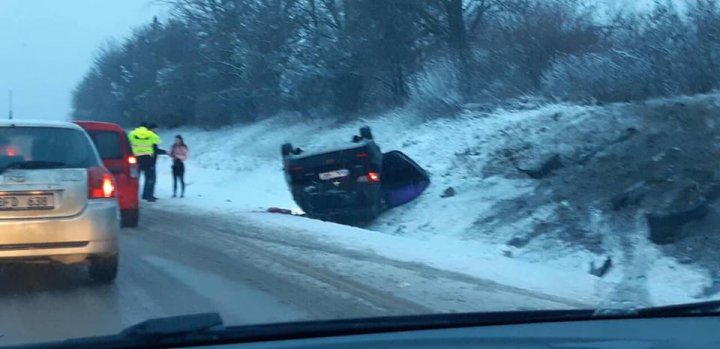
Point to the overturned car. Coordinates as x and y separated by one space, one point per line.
352 183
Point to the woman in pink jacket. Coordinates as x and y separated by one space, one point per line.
179 153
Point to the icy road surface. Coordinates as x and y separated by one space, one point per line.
188 263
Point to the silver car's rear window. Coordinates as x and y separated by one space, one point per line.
70 147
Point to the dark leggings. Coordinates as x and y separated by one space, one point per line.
178 170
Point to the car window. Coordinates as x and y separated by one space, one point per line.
69 146
108 144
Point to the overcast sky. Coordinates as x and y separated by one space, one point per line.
47 45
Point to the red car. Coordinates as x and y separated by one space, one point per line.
112 143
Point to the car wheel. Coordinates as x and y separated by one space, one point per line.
103 269
286 149
366 133
130 218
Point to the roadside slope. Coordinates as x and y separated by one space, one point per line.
501 208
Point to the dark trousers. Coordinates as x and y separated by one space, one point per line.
146 163
178 171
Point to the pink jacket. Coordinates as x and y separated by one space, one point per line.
179 152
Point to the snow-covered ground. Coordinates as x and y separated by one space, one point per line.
238 170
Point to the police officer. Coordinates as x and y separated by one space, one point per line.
144 142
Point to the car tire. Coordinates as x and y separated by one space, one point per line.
366 133
130 218
286 149
103 270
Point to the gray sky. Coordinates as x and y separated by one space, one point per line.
46 46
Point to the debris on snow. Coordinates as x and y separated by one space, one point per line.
447 193
630 196
602 269
544 169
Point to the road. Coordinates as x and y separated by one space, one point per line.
189 263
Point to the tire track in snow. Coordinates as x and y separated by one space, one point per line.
242 233
384 303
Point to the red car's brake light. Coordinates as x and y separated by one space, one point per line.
101 184
133 164
11 151
373 177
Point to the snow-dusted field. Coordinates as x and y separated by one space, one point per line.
238 171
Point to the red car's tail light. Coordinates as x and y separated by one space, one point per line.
132 162
11 151
373 177
101 184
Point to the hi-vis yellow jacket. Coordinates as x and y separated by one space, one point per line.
142 141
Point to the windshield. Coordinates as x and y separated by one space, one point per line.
296 160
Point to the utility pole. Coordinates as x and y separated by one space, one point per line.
10 106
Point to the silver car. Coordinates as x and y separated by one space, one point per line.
57 201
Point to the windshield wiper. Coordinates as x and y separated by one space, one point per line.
31 165
155 332
686 309
207 328
699 308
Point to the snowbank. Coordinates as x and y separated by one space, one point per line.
238 170
479 260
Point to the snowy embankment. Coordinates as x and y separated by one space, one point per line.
238 170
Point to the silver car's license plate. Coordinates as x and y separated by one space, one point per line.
29 201
334 174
